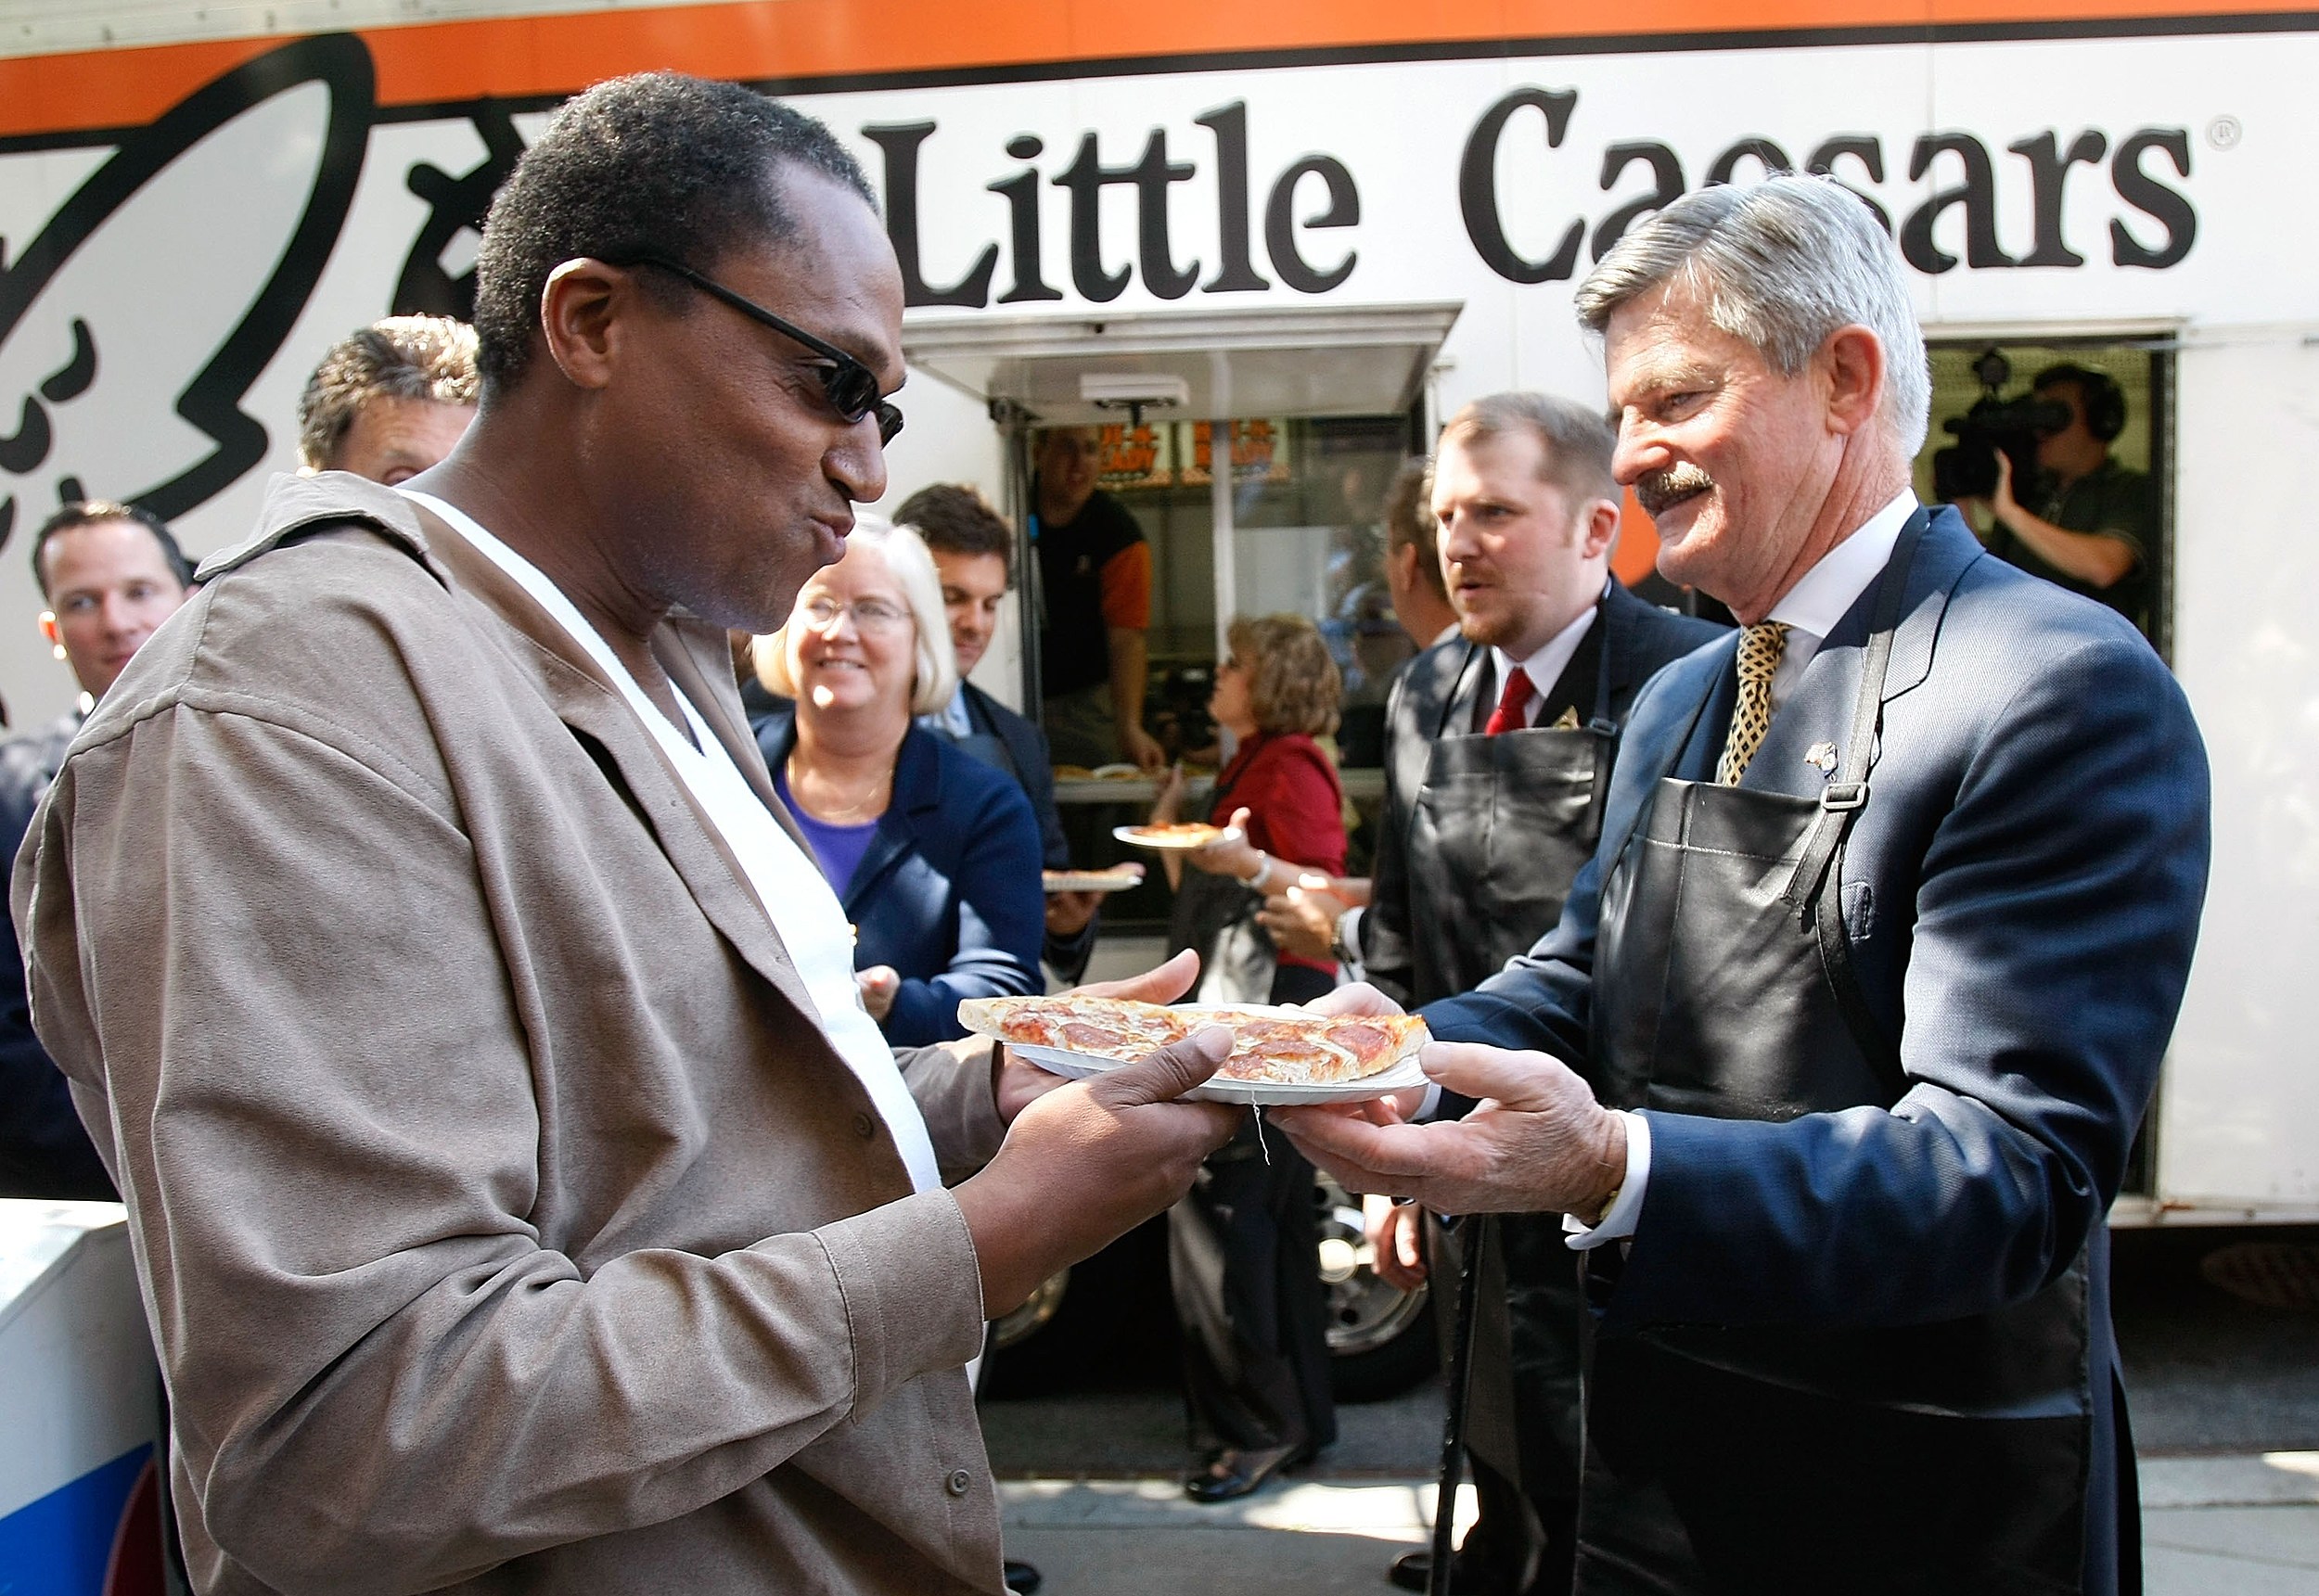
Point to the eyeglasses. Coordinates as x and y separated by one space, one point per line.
870 615
850 387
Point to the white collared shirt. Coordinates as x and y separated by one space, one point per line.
953 719
1546 667
788 886
1822 595
1811 609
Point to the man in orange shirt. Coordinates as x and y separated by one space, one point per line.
1094 586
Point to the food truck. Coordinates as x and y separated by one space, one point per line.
1268 248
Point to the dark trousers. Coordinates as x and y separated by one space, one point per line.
1243 1256
1522 1419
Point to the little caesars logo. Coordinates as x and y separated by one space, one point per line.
1304 214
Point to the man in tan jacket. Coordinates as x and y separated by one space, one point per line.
522 1200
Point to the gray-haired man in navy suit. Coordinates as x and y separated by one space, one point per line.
1847 1028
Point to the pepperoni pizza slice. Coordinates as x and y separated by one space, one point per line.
1278 1047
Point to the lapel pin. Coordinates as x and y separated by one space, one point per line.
1821 758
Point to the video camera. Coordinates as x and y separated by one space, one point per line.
1969 469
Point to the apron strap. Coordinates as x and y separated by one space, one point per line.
1457 687
1602 656
1815 889
1478 1231
1605 729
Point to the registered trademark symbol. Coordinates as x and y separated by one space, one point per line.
2224 133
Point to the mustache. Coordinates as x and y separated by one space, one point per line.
1658 491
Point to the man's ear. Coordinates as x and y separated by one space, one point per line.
1402 563
581 307
1598 528
1852 359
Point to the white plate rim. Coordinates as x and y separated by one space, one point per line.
1126 834
1084 881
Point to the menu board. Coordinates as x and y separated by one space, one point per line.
1160 454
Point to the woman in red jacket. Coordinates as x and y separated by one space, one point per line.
1243 1249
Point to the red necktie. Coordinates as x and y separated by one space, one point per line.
1508 716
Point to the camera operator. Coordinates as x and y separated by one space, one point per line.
2094 524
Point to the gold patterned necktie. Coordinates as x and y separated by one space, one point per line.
1759 648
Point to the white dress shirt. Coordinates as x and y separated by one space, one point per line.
790 887
1811 610
1543 668
952 718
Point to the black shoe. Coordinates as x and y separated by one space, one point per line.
1022 1579
1411 1570
1235 1473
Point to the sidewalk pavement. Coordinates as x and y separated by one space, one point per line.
2232 1525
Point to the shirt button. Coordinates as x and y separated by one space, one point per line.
957 1483
864 1126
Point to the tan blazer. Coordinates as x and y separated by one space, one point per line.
506 1221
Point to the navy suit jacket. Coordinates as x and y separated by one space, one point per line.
45 1150
1026 747
1026 750
2022 895
948 893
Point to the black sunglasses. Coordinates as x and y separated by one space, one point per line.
850 387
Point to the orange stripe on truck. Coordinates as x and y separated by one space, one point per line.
535 57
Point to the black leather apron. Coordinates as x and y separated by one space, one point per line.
1509 821
1940 1458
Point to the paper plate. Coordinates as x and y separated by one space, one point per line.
1089 880
1080 1065
1133 836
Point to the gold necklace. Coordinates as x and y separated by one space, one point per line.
876 787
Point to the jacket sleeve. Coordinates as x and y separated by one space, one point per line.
383 1379
954 1083
1386 960
1002 920
2053 923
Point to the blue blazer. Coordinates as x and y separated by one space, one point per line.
948 893
2022 895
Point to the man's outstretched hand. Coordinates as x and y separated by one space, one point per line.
1538 1142
1091 1160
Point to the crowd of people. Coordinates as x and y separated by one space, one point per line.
503 943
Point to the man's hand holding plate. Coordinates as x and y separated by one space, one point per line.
1089 1161
1537 1142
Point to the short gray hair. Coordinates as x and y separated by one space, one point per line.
1781 263
935 679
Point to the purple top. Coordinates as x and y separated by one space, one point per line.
837 848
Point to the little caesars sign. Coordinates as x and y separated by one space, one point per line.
1293 227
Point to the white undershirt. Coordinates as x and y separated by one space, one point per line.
1810 609
797 900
